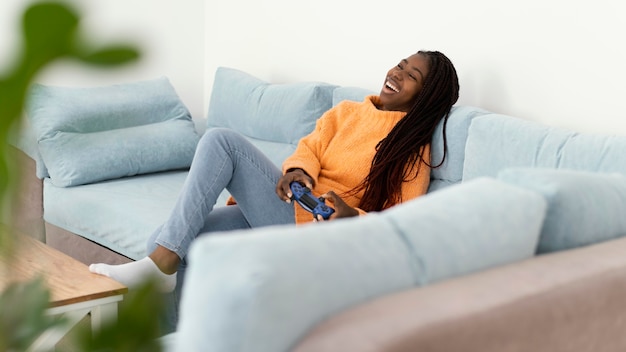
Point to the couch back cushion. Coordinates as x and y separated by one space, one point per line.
351 93
272 116
451 171
91 134
496 142
583 207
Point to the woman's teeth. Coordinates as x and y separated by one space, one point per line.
392 87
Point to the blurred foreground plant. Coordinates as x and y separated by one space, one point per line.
21 308
50 31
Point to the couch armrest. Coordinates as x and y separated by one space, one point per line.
566 301
26 142
27 208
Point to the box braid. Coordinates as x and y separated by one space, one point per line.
398 154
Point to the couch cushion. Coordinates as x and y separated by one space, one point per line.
496 142
451 171
268 287
273 116
119 214
92 134
350 93
583 207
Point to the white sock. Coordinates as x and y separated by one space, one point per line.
133 274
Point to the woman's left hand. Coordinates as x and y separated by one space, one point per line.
342 209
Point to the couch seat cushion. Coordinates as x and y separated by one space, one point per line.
119 214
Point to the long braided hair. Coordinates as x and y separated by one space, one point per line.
398 154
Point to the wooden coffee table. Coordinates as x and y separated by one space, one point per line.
75 292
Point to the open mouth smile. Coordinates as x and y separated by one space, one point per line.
391 86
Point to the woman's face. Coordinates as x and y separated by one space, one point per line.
403 83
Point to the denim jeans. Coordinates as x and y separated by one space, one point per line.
224 159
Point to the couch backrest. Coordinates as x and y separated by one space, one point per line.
497 142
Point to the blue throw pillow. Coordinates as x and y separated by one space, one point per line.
274 117
583 207
281 113
93 134
351 93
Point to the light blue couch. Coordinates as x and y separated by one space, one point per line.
506 260
500 253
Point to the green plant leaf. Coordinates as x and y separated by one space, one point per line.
113 55
23 314
49 29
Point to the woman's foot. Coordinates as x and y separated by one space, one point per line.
133 274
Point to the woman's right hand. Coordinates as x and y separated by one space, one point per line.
298 175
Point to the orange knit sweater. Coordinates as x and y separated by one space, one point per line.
339 152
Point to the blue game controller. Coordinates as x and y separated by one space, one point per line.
316 206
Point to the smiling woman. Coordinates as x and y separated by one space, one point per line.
362 156
403 83
426 86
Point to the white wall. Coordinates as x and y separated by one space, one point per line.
562 62
169 35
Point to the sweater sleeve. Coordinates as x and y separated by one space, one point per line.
310 149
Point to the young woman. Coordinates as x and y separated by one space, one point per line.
362 157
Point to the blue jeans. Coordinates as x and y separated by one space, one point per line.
224 159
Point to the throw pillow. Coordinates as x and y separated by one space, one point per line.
351 93
281 113
91 134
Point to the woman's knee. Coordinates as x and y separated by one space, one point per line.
218 136
217 133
